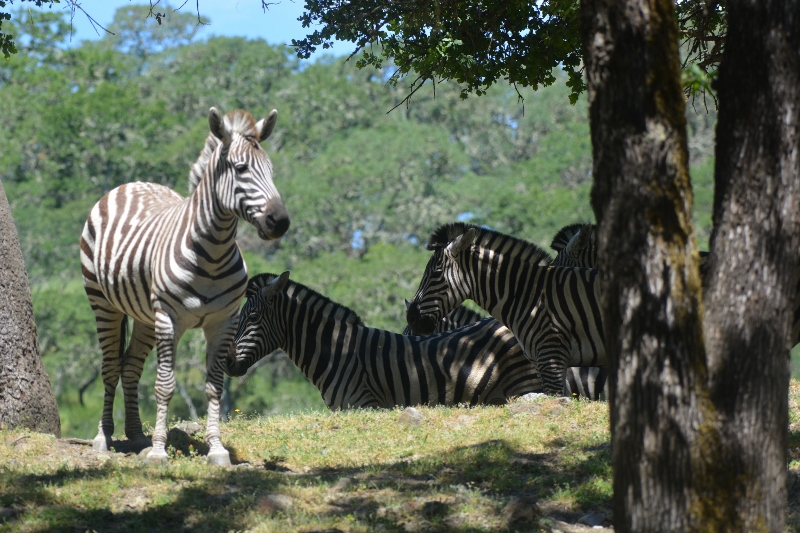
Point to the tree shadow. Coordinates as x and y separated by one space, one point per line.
793 481
427 493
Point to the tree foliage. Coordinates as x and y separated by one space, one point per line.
480 43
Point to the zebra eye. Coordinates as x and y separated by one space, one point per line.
252 316
240 167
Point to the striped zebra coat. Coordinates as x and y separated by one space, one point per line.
353 365
553 311
575 247
172 264
581 382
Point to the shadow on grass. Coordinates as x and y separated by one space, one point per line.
793 483
443 492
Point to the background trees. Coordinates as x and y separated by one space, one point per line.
365 187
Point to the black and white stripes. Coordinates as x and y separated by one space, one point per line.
553 311
172 264
353 365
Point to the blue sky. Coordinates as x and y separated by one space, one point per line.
232 18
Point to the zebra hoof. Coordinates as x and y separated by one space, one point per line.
100 444
219 458
158 458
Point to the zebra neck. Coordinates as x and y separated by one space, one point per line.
212 222
317 331
506 285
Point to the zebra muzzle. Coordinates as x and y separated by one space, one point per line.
273 222
233 367
419 324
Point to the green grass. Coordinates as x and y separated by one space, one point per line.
459 469
455 471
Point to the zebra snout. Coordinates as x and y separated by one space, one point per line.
233 368
273 222
420 325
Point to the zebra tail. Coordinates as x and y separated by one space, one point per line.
123 336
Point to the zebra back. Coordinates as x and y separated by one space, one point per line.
353 365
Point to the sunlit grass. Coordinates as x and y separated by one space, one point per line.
457 469
354 471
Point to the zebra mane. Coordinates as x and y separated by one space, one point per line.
565 235
199 166
445 234
238 121
259 281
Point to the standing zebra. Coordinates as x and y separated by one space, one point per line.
353 365
172 264
553 311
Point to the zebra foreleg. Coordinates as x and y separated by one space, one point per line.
551 362
111 335
166 340
142 342
218 339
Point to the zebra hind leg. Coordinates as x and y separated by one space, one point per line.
142 342
111 326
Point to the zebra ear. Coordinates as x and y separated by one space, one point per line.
584 237
266 125
217 125
275 286
408 304
462 242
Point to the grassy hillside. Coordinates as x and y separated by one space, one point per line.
541 465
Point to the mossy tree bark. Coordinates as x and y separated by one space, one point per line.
665 439
26 397
755 245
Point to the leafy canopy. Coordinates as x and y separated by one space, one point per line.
479 43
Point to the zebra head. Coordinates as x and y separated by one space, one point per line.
244 172
443 286
259 332
580 251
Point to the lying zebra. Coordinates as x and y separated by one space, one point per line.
581 381
353 365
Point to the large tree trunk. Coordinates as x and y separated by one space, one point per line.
755 249
665 440
26 398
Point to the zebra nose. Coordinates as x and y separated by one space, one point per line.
412 313
419 324
230 361
274 220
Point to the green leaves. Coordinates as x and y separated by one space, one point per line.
474 44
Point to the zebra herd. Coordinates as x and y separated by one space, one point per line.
172 264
